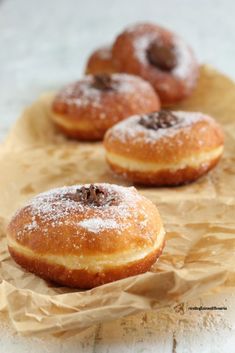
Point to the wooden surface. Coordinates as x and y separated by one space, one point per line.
44 45
173 330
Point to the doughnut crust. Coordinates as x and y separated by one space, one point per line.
155 150
100 61
160 57
87 108
85 236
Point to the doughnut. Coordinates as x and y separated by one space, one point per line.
160 57
164 148
86 235
87 108
100 61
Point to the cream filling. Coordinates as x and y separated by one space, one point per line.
89 262
135 165
71 125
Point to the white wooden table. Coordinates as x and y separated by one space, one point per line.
44 44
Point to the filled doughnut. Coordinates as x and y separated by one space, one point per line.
85 236
164 148
100 61
160 57
87 108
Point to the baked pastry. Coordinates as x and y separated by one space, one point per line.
87 108
164 148
85 236
160 57
100 61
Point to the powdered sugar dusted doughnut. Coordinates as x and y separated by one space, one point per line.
84 236
160 57
100 61
87 108
164 148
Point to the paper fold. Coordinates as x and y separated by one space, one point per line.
199 220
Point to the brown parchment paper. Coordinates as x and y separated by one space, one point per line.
199 219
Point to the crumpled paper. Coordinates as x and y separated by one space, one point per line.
199 220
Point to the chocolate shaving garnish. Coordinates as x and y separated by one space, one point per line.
103 82
92 195
162 55
159 120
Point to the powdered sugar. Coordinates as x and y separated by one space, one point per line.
141 45
96 225
54 208
130 129
31 226
83 93
80 94
105 53
183 68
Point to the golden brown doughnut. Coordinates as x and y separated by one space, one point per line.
85 236
160 57
100 61
164 148
87 108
